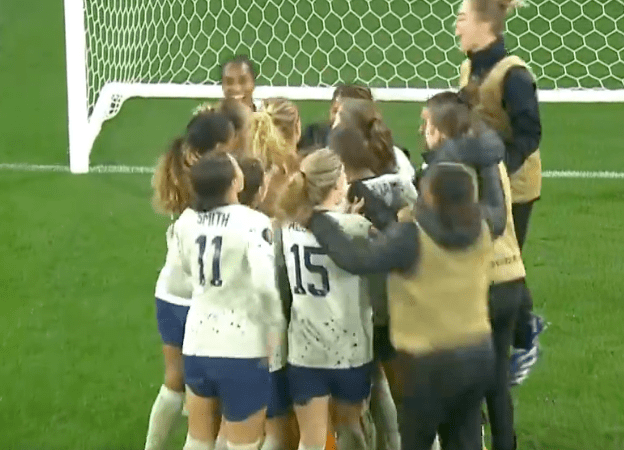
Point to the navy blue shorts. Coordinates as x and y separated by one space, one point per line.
382 346
280 402
242 385
171 320
347 385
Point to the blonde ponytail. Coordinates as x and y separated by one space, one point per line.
267 143
294 198
310 186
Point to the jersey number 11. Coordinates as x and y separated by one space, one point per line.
217 242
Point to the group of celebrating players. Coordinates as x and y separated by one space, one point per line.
314 280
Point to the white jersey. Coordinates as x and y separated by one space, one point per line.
404 165
174 284
394 189
331 315
229 255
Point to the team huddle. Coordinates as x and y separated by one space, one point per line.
316 283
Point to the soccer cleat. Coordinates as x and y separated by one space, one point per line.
522 360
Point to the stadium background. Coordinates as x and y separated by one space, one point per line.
81 358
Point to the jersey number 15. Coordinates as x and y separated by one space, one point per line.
308 252
217 242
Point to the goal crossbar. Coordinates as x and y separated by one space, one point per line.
406 49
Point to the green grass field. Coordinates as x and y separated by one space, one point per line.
80 360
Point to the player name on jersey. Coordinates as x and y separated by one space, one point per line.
296 227
213 219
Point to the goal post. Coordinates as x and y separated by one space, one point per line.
404 49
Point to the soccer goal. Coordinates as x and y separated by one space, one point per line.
404 49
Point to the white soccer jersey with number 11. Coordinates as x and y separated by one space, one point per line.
331 315
229 255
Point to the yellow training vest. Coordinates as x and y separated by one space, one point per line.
507 262
443 303
526 182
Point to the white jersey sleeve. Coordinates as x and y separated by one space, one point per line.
236 305
331 315
174 282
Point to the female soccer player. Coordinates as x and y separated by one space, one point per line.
508 103
438 282
396 192
236 313
330 331
449 117
238 80
208 131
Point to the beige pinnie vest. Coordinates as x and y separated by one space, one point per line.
507 262
526 182
443 303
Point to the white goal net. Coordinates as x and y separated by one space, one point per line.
406 49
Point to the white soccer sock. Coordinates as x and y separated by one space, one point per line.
384 413
271 443
253 446
436 444
165 413
195 444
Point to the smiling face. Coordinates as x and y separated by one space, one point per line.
473 32
238 83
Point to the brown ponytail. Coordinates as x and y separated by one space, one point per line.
381 145
364 115
171 185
